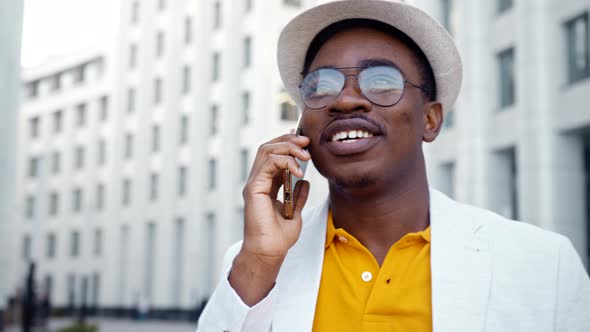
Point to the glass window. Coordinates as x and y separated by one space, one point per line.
507 85
33 89
184 129
34 127
97 242
288 111
79 157
446 11
157 91
55 162
57 121
53 204
216 66
135 12
449 118
128 146
248 5
104 108
159 44
292 3
75 244
578 49
213 120
126 192
247 51
77 198
51 243
80 74
217 15
149 259
132 56
81 114
245 107
56 82
155 138
245 164
130 100
154 186
504 5
212 173
30 207
102 152
188 30
186 79
27 243
34 167
182 179
100 196
161 4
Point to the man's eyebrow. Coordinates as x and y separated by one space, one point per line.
378 62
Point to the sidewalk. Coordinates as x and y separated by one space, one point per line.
119 325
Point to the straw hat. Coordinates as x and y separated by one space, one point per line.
436 43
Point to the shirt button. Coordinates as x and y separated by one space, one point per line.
342 239
367 276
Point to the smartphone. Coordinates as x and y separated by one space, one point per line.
290 180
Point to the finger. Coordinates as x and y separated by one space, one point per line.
262 181
277 182
289 138
301 195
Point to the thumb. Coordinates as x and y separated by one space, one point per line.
301 194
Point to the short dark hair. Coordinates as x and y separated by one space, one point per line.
328 32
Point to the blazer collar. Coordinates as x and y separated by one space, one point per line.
460 269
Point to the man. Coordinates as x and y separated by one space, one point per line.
385 252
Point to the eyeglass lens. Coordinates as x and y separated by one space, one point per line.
382 85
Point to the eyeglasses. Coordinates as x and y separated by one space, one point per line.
381 85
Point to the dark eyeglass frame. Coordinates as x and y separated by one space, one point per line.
426 91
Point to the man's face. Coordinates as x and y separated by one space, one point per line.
397 132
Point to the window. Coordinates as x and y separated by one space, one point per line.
34 167
77 198
53 204
79 74
154 186
95 290
212 173
51 243
79 157
506 82
447 178
30 207
57 121
132 56
157 91
159 44
161 4
217 15
97 242
182 181
130 100
245 107
213 120
56 82
126 192
27 243
209 248
102 152
99 196
134 12
247 51
578 49
33 89
292 3
128 152
155 138
75 244
104 108
177 260
504 5
188 30
34 127
215 68
149 259
81 115
248 5
55 162
288 111
245 164
446 11
186 79
184 129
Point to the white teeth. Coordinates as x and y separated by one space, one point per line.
350 136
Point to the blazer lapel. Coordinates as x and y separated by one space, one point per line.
460 267
299 280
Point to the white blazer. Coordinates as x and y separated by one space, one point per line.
488 274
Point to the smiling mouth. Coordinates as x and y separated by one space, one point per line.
350 136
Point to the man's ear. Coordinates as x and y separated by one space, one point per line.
433 120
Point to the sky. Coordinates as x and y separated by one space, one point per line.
52 28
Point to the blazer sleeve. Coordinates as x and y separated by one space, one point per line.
573 292
226 312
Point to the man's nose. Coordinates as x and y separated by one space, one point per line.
350 98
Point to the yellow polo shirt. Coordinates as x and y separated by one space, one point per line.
357 295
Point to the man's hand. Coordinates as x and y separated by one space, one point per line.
268 236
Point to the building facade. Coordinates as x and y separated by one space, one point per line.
518 139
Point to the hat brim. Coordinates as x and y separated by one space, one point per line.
432 38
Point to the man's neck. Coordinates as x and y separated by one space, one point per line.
382 218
